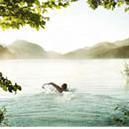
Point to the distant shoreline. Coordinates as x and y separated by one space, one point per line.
22 49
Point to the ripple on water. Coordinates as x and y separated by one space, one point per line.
81 109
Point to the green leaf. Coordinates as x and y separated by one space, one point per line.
4 88
127 9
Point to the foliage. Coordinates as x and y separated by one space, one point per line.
7 85
126 69
125 73
3 120
122 116
18 13
109 4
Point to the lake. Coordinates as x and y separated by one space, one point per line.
96 88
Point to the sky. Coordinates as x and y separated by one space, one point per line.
74 27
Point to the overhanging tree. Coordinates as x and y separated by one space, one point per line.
8 86
18 13
109 4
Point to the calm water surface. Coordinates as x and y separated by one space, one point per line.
96 88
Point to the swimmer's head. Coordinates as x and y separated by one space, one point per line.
64 86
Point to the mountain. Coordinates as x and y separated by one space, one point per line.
25 49
122 42
22 49
53 55
118 49
119 52
5 53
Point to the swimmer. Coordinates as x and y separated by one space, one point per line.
60 89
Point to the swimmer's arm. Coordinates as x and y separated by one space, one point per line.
54 85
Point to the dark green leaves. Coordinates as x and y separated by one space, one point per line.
109 4
3 117
2 114
121 116
18 13
7 85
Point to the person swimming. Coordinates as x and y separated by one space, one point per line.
60 89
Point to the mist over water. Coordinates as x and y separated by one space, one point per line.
96 87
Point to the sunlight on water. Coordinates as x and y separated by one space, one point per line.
96 87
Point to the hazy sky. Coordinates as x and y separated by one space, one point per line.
74 27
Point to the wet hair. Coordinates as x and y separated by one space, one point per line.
64 86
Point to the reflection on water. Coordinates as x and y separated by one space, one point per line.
96 87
